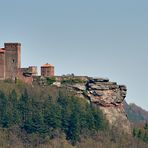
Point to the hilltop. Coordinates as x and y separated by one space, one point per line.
68 111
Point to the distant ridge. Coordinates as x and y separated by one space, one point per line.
135 113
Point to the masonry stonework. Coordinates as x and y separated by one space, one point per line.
47 70
2 63
10 64
12 59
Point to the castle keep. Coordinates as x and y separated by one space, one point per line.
10 60
10 65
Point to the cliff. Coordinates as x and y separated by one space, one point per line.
108 96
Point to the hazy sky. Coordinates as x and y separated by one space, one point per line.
105 38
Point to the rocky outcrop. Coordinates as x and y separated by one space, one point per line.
108 96
106 93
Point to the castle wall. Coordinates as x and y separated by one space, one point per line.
2 64
33 70
23 78
10 64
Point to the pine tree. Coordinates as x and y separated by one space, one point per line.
52 115
146 125
24 106
139 134
3 110
74 128
145 137
14 107
134 132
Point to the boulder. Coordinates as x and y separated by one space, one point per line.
99 87
97 93
113 86
58 84
105 83
81 87
101 79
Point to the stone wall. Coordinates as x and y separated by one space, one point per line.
2 64
22 77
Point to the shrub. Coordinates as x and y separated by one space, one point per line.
50 80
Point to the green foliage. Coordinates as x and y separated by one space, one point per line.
8 109
50 80
52 115
8 81
30 118
141 133
146 126
134 132
73 116
78 117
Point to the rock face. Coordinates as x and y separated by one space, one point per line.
108 96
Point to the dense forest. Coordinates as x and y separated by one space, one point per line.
35 116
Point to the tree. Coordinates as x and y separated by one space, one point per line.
146 125
13 107
52 115
134 132
139 134
24 106
74 128
3 110
50 80
145 137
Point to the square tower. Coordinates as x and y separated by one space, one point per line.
12 59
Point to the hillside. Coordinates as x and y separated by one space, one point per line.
50 116
101 92
135 113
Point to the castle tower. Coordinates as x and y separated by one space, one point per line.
47 70
12 59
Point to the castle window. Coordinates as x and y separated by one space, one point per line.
13 60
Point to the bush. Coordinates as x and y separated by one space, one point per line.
50 80
141 133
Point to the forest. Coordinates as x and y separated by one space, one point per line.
35 116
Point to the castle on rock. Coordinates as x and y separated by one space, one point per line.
10 65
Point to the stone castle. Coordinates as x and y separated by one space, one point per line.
10 65
108 96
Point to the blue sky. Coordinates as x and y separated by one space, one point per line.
106 38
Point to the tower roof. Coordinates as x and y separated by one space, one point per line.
47 65
2 50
